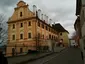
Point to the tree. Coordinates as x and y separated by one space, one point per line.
3 30
37 39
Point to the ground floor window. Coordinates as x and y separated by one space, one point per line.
45 48
21 50
13 51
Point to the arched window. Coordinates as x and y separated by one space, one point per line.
20 14
13 26
13 37
21 36
29 35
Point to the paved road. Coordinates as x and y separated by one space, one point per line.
68 56
25 58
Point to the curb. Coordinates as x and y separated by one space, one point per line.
32 59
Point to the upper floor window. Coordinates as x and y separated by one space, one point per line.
52 36
13 26
46 28
49 29
29 35
20 14
13 37
21 25
21 36
29 23
42 25
60 33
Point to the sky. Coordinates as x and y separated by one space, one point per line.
60 11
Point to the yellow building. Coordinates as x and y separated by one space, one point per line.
63 38
27 32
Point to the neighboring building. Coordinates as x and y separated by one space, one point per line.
80 12
78 30
62 35
27 32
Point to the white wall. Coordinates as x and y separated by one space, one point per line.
72 42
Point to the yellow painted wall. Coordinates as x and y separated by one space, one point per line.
65 38
27 16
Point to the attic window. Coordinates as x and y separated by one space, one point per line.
20 14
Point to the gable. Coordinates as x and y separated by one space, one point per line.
21 12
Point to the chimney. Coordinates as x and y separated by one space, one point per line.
45 17
50 22
39 14
42 17
34 9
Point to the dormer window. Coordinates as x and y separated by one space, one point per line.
20 14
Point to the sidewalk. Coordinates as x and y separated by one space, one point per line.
31 57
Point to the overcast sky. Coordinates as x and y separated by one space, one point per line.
60 11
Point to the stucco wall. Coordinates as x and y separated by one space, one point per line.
65 38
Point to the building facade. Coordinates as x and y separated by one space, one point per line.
80 12
77 27
63 38
26 31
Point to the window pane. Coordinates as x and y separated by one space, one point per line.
42 25
21 25
20 14
29 23
46 28
13 26
21 36
60 33
49 29
29 35
21 50
13 37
